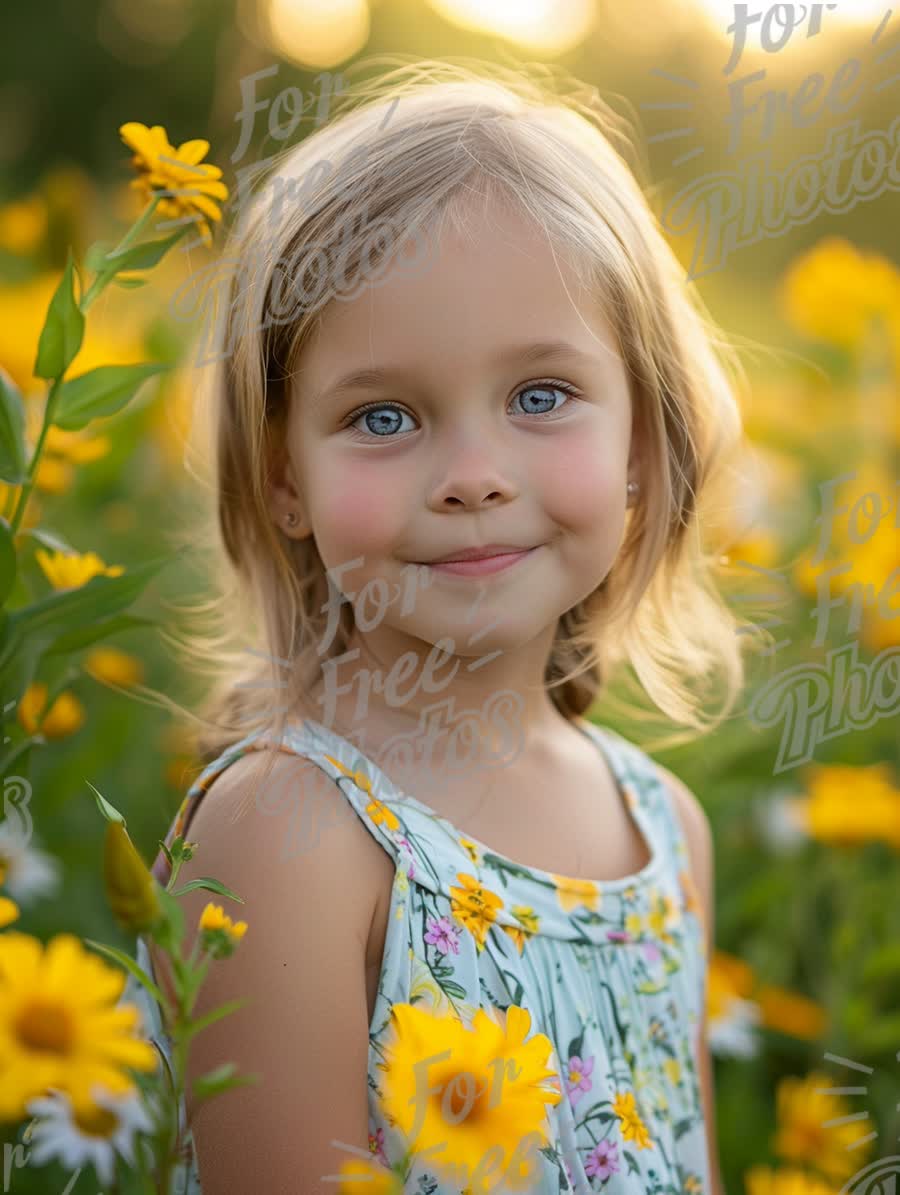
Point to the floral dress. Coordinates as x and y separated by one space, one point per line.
613 973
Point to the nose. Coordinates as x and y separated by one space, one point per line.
471 475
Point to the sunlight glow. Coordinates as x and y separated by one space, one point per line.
720 13
548 26
317 33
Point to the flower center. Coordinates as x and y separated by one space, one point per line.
95 1121
43 1025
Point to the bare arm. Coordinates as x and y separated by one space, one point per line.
301 967
700 847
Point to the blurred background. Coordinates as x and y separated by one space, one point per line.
806 976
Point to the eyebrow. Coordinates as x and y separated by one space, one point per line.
372 378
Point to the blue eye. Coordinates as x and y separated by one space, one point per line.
389 416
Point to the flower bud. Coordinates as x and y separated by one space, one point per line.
130 888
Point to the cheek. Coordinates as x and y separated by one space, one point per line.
356 515
583 486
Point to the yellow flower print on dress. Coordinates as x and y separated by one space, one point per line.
689 891
472 850
663 914
630 1123
528 925
377 811
571 893
475 907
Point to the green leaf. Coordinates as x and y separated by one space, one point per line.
101 392
129 283
12 432
48 539
145 255
216 1014
130 965
95 258
212 885
166 851
219 1080
75 640
7 561
109 811
42 623
63 329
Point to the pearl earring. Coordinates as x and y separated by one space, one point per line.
632 487
291 519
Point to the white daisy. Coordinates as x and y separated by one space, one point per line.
75 1139
734 1032
781 822
26 872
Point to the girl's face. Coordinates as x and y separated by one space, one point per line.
476 433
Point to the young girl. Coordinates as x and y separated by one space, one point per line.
466 419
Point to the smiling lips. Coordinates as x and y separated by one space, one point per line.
476 562
479 553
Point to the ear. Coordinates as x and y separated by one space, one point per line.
637 463
285 496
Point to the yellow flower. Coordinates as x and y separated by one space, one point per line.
65 716
362 1177
381 815
481 1105
191 188
70 570
791 1013
60 1025
54 476
219 935
673 1069
571 893
834 292
474 907
9 500
802 1136
113 666
761 1180
76 446
9 910
528 925
130 887
23 224
471 849
849 805
630 1123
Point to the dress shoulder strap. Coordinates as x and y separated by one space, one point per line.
646 779
364 787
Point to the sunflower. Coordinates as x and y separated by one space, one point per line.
191 188
487 1094
60 1026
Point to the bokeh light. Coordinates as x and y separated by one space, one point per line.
550 26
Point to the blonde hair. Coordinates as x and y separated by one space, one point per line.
430 135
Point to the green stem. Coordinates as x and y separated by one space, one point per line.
106 275
28 486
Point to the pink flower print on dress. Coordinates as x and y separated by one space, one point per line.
376 1146
652 952
603 1160
404 842
443 934
618 935
577 1077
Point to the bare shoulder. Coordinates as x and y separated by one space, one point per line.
299 973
